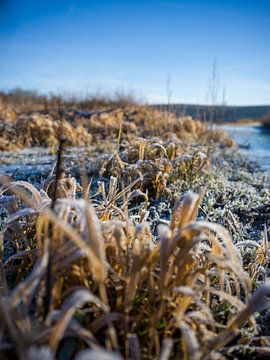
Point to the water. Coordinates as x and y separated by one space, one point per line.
255 140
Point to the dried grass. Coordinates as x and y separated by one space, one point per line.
81 128
121 287
41 130
115 290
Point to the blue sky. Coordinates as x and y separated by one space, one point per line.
69 46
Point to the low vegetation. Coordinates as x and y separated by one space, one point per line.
102 121
152 257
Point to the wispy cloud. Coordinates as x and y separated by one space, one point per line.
237 15
213 12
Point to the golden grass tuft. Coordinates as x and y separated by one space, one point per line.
40 130
82 128
116 292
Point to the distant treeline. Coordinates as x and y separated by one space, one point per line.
23 101
220 113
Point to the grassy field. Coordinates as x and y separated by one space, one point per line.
154 245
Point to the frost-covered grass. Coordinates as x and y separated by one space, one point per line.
161 253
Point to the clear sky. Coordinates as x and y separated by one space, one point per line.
80 46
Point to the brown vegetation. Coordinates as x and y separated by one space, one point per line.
120 286
91 271
40 130
81 127
115 289
28 101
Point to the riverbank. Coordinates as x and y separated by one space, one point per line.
150 255
243 122
254 142
84 128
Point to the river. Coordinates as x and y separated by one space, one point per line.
254 142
